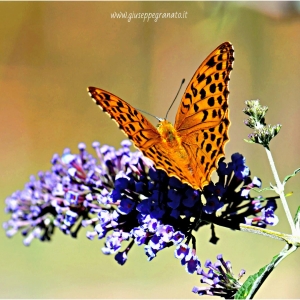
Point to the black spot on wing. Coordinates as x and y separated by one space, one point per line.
208 148
130 118
220 100
151 150
107 96
123 118
137 138
205 114
202 93
202 160
213 154
188 96
219 66
212 88
226 122
194 90
220 86
168 163
211 101
120 104
206 167
201 145
208 80
132 127
201 77
211 62
219 113
226 93
221 127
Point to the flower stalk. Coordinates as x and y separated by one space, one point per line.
279 189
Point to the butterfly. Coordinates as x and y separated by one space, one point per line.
189 150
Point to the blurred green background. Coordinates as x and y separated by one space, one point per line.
51 51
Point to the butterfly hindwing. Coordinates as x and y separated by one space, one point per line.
205 148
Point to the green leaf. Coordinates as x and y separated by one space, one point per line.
290 176
253 282
249 141
262 190
297 216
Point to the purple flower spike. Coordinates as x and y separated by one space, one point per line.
219 278
119 197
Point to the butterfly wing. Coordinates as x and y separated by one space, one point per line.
202 117
130 121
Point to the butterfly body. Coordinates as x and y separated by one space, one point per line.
168 133
191 148
171 141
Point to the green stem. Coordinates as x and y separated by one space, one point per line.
279 189
287 250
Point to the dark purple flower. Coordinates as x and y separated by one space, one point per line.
121 258
126 206
177 237
241 171
191 198
150 252
175 197
212 204
193 264
140 235
182 251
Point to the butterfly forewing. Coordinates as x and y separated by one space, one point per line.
204 102
129 120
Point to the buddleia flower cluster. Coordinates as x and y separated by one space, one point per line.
122 198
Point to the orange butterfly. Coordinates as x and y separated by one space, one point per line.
189 150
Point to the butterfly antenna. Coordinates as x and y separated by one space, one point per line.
182 82
157 118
